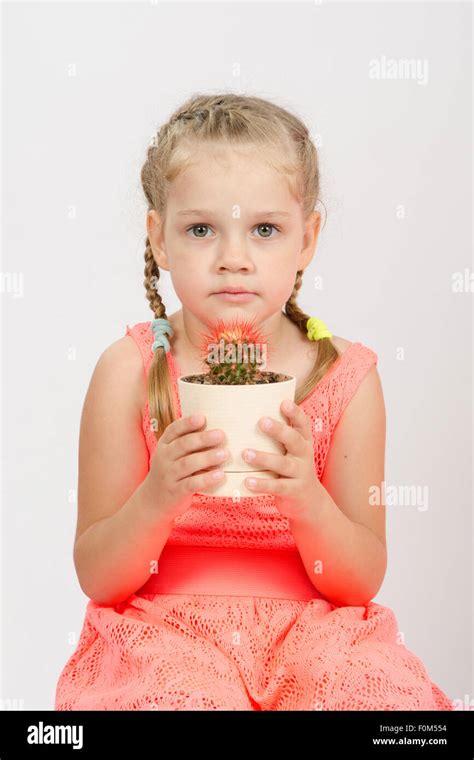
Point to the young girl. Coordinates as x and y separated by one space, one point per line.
204 602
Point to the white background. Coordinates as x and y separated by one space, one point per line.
85 88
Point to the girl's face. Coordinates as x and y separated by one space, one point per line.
231 220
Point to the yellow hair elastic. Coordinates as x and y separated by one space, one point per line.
317 329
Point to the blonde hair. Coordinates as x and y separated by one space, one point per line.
236 120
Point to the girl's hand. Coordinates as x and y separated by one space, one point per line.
179 463
296 490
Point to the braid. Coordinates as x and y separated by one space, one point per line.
152 276
327 353
159 389
292 310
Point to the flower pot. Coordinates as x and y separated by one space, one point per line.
236 409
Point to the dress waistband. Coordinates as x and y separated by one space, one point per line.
229 571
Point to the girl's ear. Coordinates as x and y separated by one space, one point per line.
154 226
310 238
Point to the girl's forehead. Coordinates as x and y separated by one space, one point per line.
224 155
212 175
206 163
210 182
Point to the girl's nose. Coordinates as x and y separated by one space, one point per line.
234 257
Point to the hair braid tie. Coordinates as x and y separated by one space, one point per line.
317 329
159 327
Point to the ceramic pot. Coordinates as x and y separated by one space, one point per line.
236 409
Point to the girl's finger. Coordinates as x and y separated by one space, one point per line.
290 437
297 418
265 485
280 464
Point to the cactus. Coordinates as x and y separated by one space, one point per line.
235 353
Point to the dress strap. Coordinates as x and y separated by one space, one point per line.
351 369
143 337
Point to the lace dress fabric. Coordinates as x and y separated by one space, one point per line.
218 652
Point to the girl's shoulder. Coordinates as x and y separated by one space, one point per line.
355 369
123 363
354 354
357 349
341 343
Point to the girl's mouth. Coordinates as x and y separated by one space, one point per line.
235 297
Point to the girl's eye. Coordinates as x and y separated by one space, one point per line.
265 226
199 227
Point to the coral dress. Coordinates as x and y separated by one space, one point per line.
263 639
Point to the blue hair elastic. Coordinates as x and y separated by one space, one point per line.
159 327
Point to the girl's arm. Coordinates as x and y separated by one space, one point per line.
342 539
119 531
